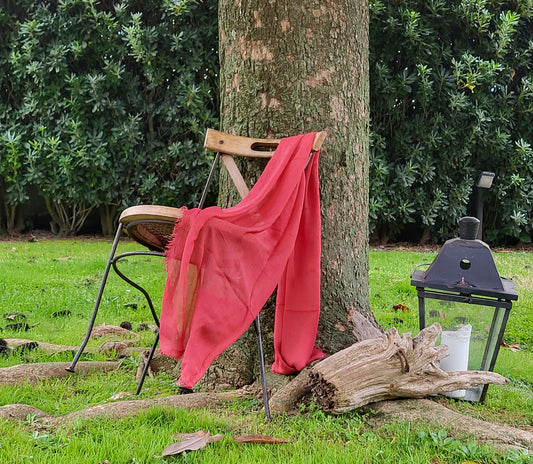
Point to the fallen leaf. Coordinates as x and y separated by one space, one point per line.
118 396
404 308
200 433
15 316
513 346
20 326
190 442
259 439
126 325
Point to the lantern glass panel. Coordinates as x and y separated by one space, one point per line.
452 316
473 334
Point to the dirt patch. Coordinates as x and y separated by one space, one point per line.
41 235
406 246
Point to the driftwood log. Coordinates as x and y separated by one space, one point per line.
392 366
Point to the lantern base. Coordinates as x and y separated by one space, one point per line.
476 394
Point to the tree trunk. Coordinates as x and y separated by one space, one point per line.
14 219
108 219
294 67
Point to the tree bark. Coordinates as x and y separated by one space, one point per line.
293 67
108 219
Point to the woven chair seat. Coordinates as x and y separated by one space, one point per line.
151 225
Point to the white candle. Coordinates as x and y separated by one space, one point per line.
458 342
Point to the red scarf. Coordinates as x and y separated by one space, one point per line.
223 264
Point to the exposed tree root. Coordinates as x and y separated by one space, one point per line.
414 410
119 348
20 412
286 399
435 414
127 408
33 373
49 348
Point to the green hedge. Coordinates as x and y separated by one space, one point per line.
451 96
105 104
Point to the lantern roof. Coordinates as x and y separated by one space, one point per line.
465 265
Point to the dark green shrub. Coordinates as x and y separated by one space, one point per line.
112 101
451 96
12 180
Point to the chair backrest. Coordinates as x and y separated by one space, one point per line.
234 145
153 225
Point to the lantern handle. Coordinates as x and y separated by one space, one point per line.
420 265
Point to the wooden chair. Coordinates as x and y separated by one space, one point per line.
152 226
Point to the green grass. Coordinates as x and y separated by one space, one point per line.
43 278
40 279
313 438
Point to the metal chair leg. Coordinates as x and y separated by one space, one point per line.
147 364
257 325
115 261
97 302
112 261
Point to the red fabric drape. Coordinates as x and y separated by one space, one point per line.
223 264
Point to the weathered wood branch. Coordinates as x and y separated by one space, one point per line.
285 399
364 329
393 366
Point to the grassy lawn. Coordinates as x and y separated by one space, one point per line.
44 279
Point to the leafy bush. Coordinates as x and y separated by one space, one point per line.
451 96
103 104
107 103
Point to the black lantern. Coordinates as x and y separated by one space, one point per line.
462 291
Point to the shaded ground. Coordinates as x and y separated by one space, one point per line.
36 235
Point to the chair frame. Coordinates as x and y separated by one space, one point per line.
133 219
